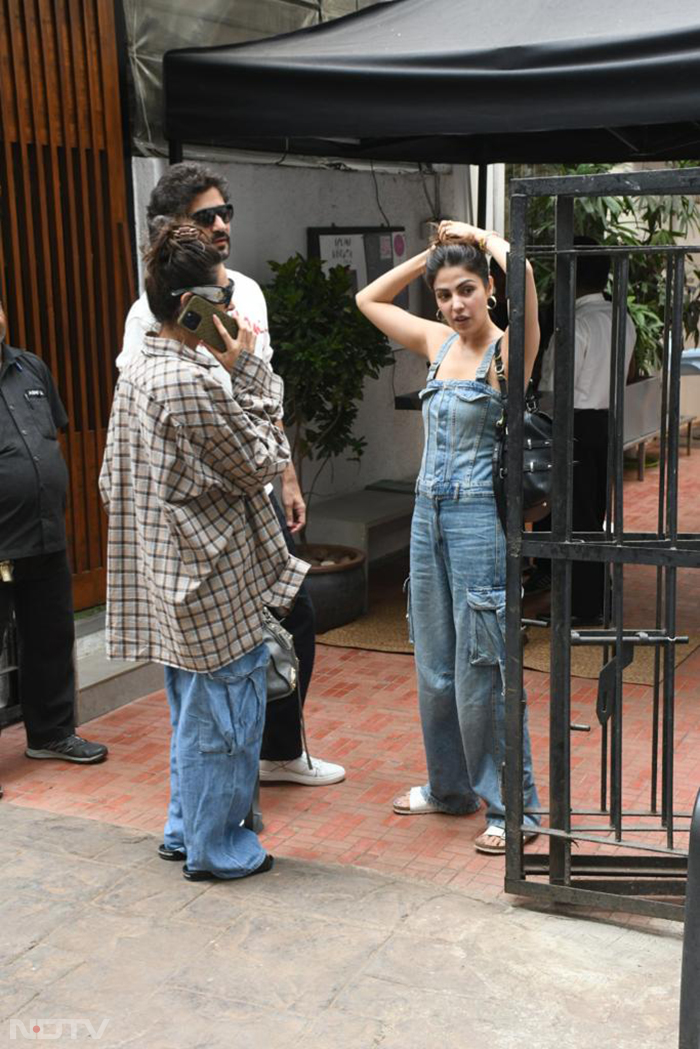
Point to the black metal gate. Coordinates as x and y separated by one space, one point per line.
607 855
10 710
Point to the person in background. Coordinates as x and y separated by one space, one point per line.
195 551
593 351
35 576
199 192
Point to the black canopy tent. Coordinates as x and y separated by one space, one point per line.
454 81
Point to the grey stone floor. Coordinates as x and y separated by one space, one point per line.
93 926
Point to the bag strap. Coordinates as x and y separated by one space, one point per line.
497 462
500 372
531 396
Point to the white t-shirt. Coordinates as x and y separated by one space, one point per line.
248 304
592 353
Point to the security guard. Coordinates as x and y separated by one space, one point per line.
34 572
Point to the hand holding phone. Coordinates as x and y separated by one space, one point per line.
197 317
234 347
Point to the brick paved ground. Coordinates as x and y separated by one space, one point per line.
362 712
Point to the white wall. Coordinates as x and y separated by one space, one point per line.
274 205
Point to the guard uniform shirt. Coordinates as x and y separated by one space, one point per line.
33 474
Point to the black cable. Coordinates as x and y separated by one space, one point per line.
376 193
284 155
433 205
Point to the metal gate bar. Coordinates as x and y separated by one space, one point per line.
610 878
10 710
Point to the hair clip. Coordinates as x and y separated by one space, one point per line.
186 233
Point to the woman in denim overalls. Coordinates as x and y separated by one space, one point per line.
457 582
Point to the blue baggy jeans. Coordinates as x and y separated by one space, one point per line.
217 724
457 619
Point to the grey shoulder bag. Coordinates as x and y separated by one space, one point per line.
283 668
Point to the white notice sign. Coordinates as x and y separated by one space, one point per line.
345 249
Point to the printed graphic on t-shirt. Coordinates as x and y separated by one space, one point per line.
254 326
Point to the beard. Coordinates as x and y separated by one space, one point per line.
222 243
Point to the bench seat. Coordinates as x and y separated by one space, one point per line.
640 442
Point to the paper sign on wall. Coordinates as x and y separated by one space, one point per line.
366 251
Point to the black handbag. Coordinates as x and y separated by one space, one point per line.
283 668
537 452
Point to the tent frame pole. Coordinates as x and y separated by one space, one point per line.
482 185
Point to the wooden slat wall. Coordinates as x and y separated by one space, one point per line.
66 274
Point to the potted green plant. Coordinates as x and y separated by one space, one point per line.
324 351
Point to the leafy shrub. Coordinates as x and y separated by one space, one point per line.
324 350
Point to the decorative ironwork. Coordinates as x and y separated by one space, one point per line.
607 857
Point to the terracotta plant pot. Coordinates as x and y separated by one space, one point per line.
336 583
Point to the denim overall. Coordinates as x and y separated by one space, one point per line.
457 598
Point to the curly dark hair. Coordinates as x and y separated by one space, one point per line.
180 255
177 188
457 253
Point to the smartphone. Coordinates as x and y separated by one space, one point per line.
197 316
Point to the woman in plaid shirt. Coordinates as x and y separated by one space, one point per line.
195 551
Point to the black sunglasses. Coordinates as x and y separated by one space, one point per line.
207 216
215 293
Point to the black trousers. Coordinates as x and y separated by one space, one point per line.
42 595
282 735
588 507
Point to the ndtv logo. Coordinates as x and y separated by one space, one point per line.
52 1030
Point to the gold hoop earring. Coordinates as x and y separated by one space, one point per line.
439 317
492 302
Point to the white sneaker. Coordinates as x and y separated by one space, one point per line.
321 773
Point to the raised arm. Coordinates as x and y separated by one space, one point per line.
497 247
376 301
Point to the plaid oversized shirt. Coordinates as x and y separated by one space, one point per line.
194 549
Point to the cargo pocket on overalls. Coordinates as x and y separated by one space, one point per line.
237 714
487 611
215 734
409 620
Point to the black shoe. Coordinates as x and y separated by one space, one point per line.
190 875
72 748
539 582
176 855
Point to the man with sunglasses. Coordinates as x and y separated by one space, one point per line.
197 191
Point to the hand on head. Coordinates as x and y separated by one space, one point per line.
451 232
